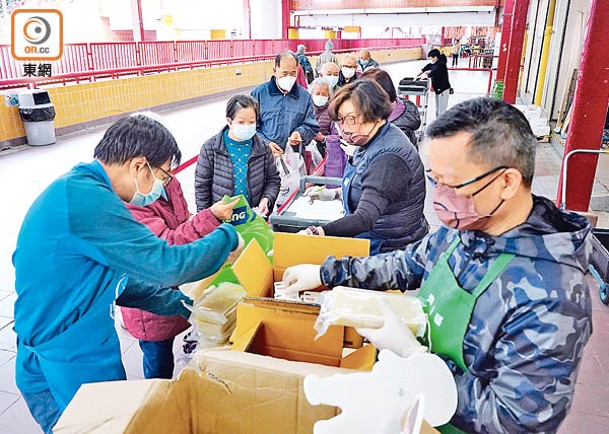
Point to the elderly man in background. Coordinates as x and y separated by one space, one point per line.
348 70
286 111
326 57
330 72
365 61
304 62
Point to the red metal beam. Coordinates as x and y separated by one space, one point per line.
140 20
285 18
589 111
514 60
506 31
247 18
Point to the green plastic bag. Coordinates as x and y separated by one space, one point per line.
250 225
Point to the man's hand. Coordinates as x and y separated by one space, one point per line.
394 335
320 137
223 211
295 138
234 255
275 149
301 278
263 206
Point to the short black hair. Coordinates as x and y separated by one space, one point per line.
501 135
384 79
138 136
434 53
368 97
285 54
239 102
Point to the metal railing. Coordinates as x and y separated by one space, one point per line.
90 61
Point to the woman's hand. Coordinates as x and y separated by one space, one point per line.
263 206
223 211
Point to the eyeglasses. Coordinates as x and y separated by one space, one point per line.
349 120
168 176
435 183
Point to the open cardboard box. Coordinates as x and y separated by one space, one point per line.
221 392
257 274
284 329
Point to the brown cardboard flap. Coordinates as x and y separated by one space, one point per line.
362 359
294 249
254 271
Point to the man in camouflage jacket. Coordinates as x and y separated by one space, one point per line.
527 332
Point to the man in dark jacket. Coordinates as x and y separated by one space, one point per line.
286 111
503 281
365 61
303 61
438 72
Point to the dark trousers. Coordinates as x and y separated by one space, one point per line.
158 358
44 409
455 60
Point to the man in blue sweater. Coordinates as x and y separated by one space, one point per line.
80 250
286 111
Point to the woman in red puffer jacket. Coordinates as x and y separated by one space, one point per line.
170 219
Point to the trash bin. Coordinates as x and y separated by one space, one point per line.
37 113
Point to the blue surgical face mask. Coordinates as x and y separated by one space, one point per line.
243 132
157 191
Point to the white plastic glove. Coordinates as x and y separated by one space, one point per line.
320 193
301 278
234 255
394 335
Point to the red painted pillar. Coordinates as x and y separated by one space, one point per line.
247 19
506 31
285 18
141 21
512 71
589 110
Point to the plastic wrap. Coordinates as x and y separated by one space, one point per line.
360 308
214 314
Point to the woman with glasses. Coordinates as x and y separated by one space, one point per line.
166 214
383 188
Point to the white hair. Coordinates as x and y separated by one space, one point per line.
320 81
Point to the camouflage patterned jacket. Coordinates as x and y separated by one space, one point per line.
528 330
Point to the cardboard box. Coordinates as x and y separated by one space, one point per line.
224 392
221 392
284 328
257 275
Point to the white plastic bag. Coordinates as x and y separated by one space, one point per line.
291 167
316 157
354 307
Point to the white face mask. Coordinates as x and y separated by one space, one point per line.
319 100
348 72
332 79
286 83
349 149
243 132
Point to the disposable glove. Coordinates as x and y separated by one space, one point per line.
394 335
234 255
301 278
320 193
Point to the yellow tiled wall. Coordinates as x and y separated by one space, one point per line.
80 103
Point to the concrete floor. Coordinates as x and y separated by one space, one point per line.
25 172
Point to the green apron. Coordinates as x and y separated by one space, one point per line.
449 309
